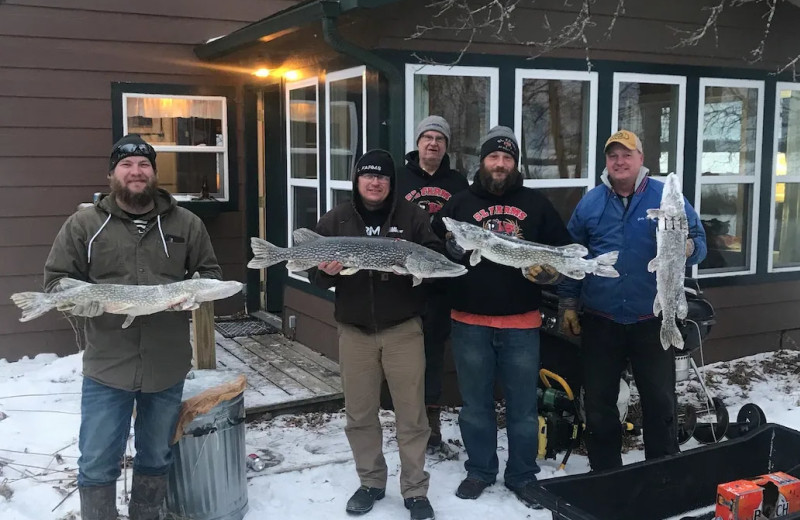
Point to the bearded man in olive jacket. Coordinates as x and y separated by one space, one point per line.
137 235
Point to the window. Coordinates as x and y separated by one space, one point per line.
302 138
345 109
785 201
730 123
466 97
653 107
190 135
556 118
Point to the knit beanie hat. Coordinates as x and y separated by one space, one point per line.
500 139
375 161
435 123
129 145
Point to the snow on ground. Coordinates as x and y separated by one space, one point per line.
313 475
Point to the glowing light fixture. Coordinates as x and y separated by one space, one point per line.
291 75
261 73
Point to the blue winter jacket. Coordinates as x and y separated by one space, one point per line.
602 224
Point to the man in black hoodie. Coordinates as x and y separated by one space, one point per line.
496 319
428 181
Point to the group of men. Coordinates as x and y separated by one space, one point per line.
387 328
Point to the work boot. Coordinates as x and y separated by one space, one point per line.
420 508
147 497
98 502
471 488
363 499
434 411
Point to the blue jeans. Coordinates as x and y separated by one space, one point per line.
480 353
106 422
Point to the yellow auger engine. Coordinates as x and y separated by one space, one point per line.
560 423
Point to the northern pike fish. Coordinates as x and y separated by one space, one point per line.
131 300
391 255
670 261
514 252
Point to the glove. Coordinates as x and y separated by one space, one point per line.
543 274
454 251
569 322
87 310
689 247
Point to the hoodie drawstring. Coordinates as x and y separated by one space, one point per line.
163 240
89 249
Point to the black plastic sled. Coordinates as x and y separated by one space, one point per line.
671 486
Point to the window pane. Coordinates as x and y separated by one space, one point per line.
564 199
304 205
786 248
345 126
730 118
650 110
176 121
303 132
340 196
555 129
186 172
464 102
726 210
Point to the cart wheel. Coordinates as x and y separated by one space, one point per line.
750 417
708 433
687 422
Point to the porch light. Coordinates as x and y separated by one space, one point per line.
291 75
261 73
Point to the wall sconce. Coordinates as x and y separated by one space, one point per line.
261 73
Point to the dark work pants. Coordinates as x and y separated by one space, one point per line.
436 328
606 348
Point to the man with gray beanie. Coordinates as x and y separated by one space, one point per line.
136 235
496 319
428 181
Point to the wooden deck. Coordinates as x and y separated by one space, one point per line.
281 374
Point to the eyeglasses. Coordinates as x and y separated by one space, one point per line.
426 138
376 177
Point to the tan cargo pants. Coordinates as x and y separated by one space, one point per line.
398 354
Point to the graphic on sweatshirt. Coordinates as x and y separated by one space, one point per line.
429 198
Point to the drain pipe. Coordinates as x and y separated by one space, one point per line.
330 31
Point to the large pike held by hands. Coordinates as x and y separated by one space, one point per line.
514 252
391 255
131 300
670 261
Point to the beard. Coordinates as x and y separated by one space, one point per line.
498 186
135 200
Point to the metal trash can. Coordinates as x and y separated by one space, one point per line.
207 480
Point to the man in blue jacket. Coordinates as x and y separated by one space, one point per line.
618 321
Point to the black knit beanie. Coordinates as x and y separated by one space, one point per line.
131 144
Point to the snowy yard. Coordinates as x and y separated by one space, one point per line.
314 475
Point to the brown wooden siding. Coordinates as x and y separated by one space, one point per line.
57 63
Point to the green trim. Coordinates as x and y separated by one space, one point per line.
251 209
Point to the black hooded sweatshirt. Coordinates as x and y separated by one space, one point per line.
492 289
430 192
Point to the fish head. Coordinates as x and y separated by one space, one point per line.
672 196
430 264
207 289
468 236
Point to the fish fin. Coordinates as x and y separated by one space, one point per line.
128 320
299 265
304 235
574 250
347 271
189 304
606 271
655 213
196 276
475 257
609 258
576 273
69 283
264 254
683 306
448 223
670 335
33 304
416 280
652 265
399 269
656 306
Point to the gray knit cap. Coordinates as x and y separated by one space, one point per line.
500 138
435 123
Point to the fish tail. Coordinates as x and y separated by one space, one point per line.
609 258
33 304
606 271
264 254
670 335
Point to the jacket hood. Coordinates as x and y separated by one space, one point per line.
412 164
643 171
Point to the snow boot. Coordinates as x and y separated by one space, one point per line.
98 502
419 508
147 497
363 499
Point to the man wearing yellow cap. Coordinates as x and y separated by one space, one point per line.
618 321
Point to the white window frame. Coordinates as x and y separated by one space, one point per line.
292 182
784 179
224 180
564 75
339 75
413 70
655 79
754 179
